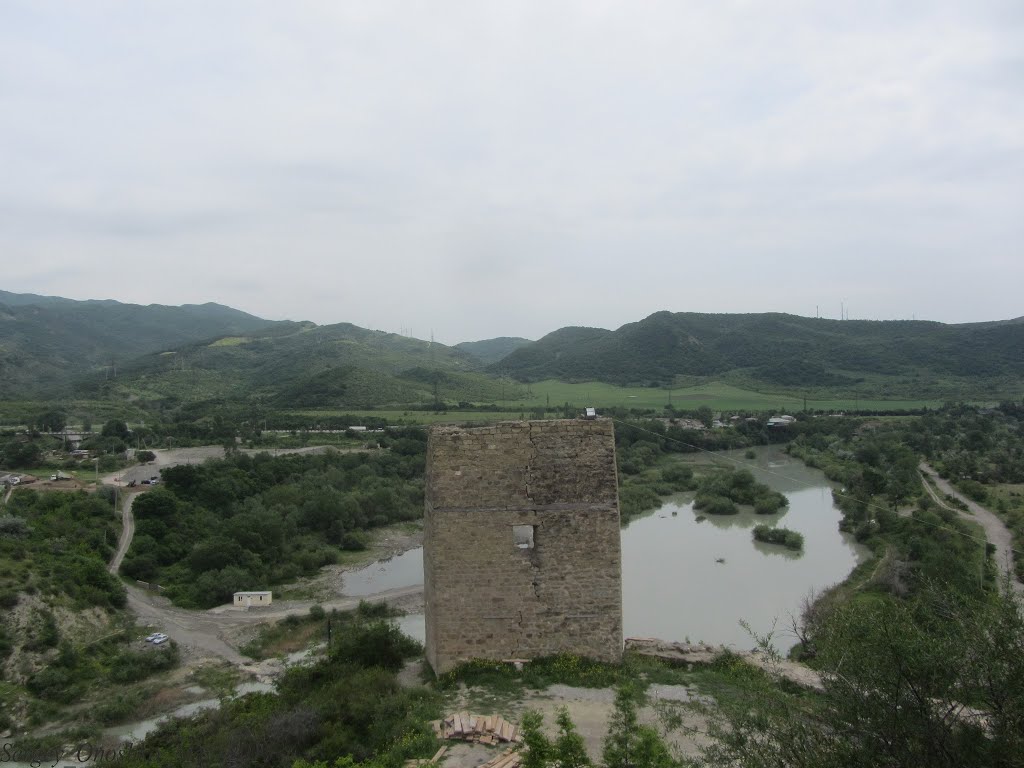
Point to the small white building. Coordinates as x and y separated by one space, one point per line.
252 599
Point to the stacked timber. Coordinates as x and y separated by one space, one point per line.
479 729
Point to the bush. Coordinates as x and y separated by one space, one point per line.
679 476
714 505
784 536
634 499
770 503
132 666
376 644
354 541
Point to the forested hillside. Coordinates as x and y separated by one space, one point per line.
492 350
778 350
305 365
47 342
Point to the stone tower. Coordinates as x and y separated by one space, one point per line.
522 554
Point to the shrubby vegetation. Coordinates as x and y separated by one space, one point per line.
75 671
719 493
250 522
59 544
350 705
936 680
784 536
53 553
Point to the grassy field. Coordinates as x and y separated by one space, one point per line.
716 396
415 417
552 395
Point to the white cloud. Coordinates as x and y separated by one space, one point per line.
506 169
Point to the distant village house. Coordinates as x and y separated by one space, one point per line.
252 599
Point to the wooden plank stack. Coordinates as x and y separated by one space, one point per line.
491 730
479 729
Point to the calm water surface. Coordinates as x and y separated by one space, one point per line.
673 585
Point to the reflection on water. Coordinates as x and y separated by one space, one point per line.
687 579
412 624
405 570
684 578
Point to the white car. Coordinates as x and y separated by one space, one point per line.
161 639
156 637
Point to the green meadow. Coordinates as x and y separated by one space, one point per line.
552 395
715 395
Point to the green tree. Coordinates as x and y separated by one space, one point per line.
538 747
115 428
630 744
935 681
51 421
569 750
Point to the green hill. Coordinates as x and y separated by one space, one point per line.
47 342
779 350
301 365
492 350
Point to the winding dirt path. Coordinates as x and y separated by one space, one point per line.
996 532
127 532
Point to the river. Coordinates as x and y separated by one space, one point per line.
687 578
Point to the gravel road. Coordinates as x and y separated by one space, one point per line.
996 531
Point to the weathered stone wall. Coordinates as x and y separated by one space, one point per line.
485 596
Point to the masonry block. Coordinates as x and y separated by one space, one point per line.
522 554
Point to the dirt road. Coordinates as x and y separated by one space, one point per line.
127 532
173 457
996 531
203 633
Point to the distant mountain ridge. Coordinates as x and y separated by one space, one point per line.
771 348
54 347
46 342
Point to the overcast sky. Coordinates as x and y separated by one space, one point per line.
479 169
